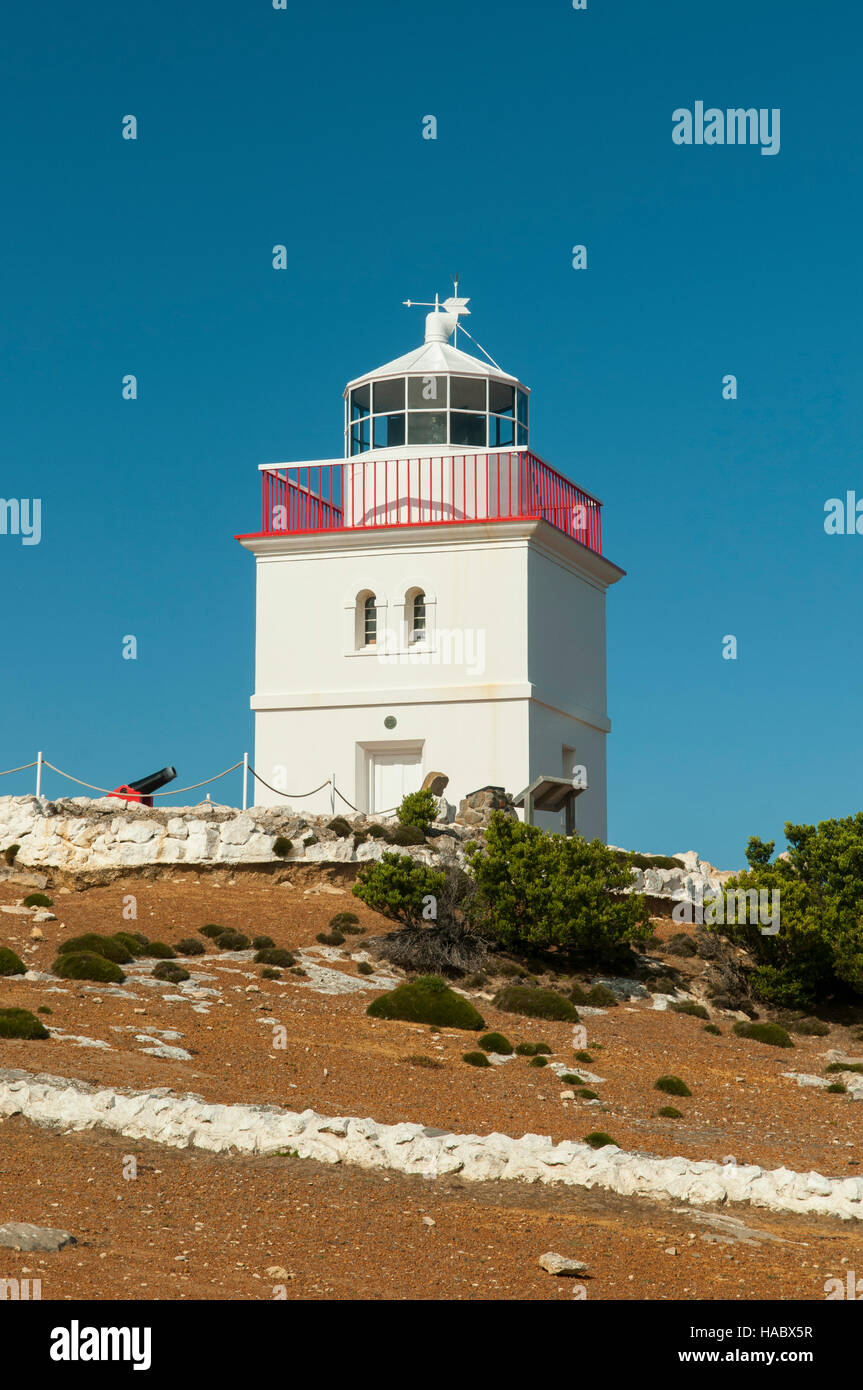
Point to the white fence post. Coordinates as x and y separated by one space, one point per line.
39 775
245 781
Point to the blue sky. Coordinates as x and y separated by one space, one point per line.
303 127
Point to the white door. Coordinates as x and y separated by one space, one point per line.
391 777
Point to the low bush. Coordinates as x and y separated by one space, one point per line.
668 1112
836 1088
268 973
571 1079
647 861
43 1009
344 921
340 827
428 999
586 1094
260 942
363 968
810 1027
686 1006
170 971
404 835
681 945
770 1033
582 1056
535 1003
418 809
376 831
232 941
159 950
598 1139
845 1066
476 1059
282 846
526 1049
538 1061
419 1059
542 1048
330 938
190 946
712 1028
133 943
20 1023
10 854
671 1086
275 955
441 948
211 930
86 965
496 1042
107 946
10 964
38 900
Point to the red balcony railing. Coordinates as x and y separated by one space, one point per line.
364 492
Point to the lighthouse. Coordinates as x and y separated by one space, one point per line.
434 600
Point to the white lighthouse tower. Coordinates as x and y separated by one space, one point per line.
433 601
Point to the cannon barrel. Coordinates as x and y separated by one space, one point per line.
147 785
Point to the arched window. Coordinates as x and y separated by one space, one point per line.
418 617
370 621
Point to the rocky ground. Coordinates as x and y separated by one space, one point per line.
179 1229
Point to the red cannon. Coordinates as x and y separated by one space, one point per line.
142 790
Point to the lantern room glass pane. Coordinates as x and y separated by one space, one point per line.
389 431
427 427
468 429
360 436
427 392
501 398
467 393
521 437
501 430
521 408
389 396
360 401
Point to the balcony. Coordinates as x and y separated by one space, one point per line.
370 491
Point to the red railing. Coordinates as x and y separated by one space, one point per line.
368 492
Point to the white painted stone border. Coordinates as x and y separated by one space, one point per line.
184 1121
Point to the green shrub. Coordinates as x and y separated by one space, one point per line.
845 1066
348 922
190 946
399 887
376 831
836 1088
535 891
159 950
534 1003
681 945
275 955
712 1028
598 1139
672 1086
232 941
268 973
38 900
404 835
282 846
363 968
686 1006
133 943
477 981
668 1112
770 1033
538 1061
541 1047
571 1079
586 1093
10 854
582 1056
427 999
259 943
418 809
496 1042
810 1027
107 946
212 930
419 1059
647 861
10 964
340 827
86 965
170 971
818 950
526 1049
20 1023
330 938
43 1009
601 997
476 1059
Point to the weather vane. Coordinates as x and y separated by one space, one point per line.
454 306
